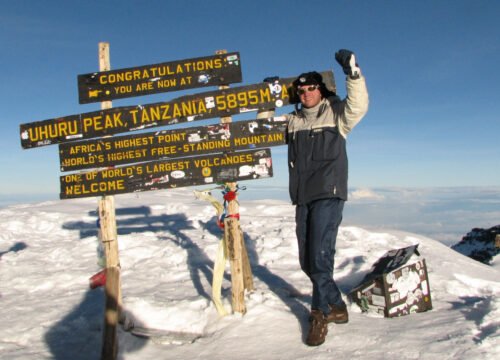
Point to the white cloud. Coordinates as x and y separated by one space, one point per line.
442 213
365 194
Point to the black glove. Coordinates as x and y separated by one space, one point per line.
271 79
347 60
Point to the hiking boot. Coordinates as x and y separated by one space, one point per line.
338 314
318 329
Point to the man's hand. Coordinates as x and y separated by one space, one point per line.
347 60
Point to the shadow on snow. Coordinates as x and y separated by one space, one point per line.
475 309
172 227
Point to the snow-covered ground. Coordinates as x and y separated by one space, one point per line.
168 242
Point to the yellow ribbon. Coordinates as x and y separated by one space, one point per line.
220 258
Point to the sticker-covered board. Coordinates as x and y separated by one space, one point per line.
119 150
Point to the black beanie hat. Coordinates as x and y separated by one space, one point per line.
309 78
312 78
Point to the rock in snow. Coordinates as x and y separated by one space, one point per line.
479 244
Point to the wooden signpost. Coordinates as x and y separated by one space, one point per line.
220 153
109 238
158 78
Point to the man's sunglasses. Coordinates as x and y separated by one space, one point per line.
302 91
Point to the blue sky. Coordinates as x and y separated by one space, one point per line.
431 69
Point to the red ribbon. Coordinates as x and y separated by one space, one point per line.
220 222
230 196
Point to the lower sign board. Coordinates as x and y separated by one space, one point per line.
155 175
119 150
200 106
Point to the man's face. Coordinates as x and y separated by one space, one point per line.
309 95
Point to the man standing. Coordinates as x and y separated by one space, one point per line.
317 164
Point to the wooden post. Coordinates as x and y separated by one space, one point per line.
497 241
234 251
107 220
241 272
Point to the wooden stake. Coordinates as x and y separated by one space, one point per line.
107 220
234 246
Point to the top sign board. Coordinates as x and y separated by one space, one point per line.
221 69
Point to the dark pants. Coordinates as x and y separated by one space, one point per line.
317 227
